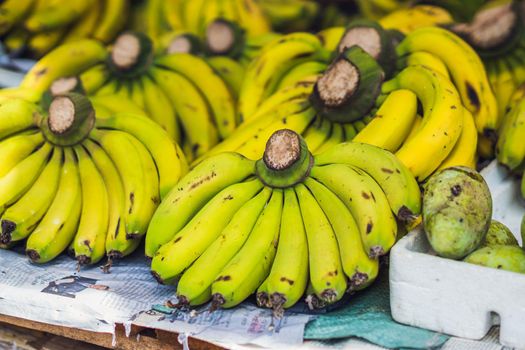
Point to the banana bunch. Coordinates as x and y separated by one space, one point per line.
290 15
73 181
157 17
376 9
181 92
510 149
283 225
37 26
352 101
497 33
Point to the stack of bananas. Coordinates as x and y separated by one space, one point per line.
72 180
160 16
39 25
284 224
184 94
290 15
351 101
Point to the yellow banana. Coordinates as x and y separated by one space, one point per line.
86 24
464 151
12 11
56 15
112 19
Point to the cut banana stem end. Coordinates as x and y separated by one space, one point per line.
492 30
224 38
71 117
348 89
286 160
62 86
184 43
374 40
132 54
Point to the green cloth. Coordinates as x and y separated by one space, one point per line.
367 316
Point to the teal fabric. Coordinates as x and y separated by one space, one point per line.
367 316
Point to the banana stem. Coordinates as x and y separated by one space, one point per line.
184 43
62 86
349 88
491 28
70 119
286 160
224 38
374 40
132 54
7 228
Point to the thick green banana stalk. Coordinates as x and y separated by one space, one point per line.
348 89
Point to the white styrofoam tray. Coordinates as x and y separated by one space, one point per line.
455 297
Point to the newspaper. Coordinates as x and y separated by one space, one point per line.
89 299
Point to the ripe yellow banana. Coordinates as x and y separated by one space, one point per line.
251 265
56 15
392 122
191 193
191 241
464 151
367 203
442 119
57 228
360 269
20 219
12 12
200 275
112 19
288 277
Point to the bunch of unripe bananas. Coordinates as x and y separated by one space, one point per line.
282 225
370 93
73 181
37 26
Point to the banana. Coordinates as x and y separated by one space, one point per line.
18 147
510 149
442 120
12 12
86 24
230 71
336 137
367 203
115 104
300 72
19 179
330 37
406 20
172 12
317 133
465 67
112 19
396 181
116 243
141 191
169 159
58 226
90 239
191 241
200 275
504 88
252 18
288 277
136 93
192 16
192 110
251 265
428 60
360 269
159 108
464 151
392 122
270 65
249 129
94 78
41 43
216 92
192 193
74 58
326 272
20 219
15 41
56 15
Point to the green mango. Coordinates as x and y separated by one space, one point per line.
504 257
499 234
457 210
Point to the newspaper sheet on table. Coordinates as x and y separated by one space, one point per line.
56 293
